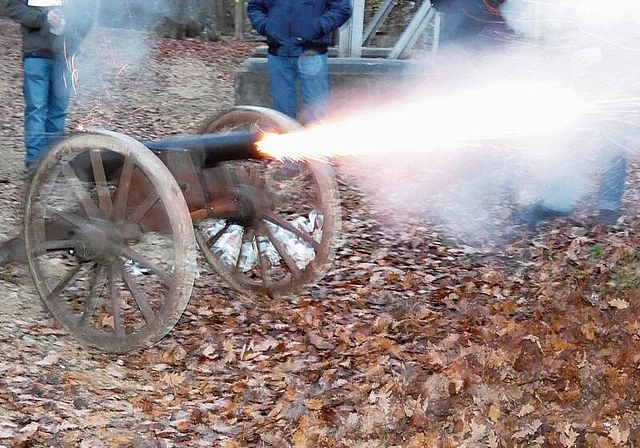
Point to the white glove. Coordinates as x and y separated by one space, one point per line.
56 21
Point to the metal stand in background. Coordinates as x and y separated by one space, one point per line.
350 38
353 37
239 8
355 65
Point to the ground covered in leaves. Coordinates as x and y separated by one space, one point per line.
416 338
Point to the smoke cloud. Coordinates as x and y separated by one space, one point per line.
113 55
124 70
560 86
564 102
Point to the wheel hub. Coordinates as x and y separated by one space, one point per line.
98 241
251 204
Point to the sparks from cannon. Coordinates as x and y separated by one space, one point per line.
590 47
490 112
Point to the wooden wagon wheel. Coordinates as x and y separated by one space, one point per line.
109 241
295 223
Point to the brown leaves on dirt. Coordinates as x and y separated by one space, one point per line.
491 351
414 339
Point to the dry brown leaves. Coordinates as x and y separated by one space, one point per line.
413 340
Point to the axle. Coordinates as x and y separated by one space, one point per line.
212 148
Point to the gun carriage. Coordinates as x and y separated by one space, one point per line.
112 225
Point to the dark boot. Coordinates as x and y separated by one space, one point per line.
538 213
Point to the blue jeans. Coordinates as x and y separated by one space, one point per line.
562 192
311 72
46 89
613 181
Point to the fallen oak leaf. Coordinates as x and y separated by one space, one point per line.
568 435
96 420
276 410
173 379
619 304
318 341
108 322
422 440
619 436
528 430
314 404
526 410
494 413
266 345
589 331
48 360
239 386
299 439
559 345
209 351
30 429
230 355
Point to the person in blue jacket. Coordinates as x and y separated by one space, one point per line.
298 34
51 35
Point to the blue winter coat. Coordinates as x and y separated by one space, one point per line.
294 26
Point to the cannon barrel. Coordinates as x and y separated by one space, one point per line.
212 148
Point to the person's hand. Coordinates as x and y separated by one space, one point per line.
56 21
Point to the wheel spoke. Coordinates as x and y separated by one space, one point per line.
148 264
64 283
124 185
282 251
72 218
248 236
213 239
138 295
143 208
116 303
91 302
286 225
81 193
264 267
104 197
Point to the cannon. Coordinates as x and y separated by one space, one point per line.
112 225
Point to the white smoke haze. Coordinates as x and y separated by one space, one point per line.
541 113
116 51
